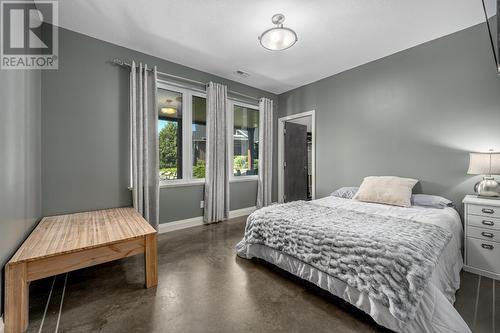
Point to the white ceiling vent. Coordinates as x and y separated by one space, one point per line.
242 74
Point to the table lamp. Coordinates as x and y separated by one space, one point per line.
486 164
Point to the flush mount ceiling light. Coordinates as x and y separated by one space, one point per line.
278 38
169 109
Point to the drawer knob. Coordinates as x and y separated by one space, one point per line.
487 246
490 223
487 210
487 234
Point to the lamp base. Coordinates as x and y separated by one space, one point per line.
488 187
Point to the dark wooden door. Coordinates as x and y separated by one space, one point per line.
295 162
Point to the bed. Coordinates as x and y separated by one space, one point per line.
295 244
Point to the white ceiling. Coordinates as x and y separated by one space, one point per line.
220 36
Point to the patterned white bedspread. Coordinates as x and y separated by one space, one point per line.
389 258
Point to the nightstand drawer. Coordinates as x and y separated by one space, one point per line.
483 255
484 234
489 211
483 222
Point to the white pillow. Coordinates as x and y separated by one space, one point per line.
387 190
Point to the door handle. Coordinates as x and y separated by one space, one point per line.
487 210
487 246
487 234
490 223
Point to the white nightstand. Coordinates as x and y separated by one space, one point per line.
482 236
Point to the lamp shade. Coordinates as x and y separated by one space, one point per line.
277 39
484 164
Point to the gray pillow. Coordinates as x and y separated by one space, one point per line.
423 200
433 201
345 192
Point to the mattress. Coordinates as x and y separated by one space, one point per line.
435 312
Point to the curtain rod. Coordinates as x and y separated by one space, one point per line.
120 62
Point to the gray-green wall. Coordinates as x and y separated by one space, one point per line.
20 176
85 132
416 113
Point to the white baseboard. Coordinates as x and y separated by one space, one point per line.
181 224
197 221
241 212
1 324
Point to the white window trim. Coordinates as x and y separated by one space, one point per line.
187 137
231 104
240 179
182 182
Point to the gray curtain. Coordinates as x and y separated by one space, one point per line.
217 164
144 176
265 184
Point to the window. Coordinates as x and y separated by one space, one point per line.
244 143
170 134
182 121
181 134
199 135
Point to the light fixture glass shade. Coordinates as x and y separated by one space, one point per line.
484 164
169 110
277 39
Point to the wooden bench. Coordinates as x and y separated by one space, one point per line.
64 243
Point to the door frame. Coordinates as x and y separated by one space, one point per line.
281 150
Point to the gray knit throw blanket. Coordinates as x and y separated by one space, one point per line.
389 258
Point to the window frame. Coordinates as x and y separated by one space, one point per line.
187 135
230 128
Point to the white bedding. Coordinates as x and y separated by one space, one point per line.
436 312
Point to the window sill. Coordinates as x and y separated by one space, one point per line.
198 182
239 179
181 183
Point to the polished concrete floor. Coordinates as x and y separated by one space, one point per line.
204 287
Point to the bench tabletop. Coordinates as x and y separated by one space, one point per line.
61 234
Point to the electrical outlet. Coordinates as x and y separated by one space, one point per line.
202 204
